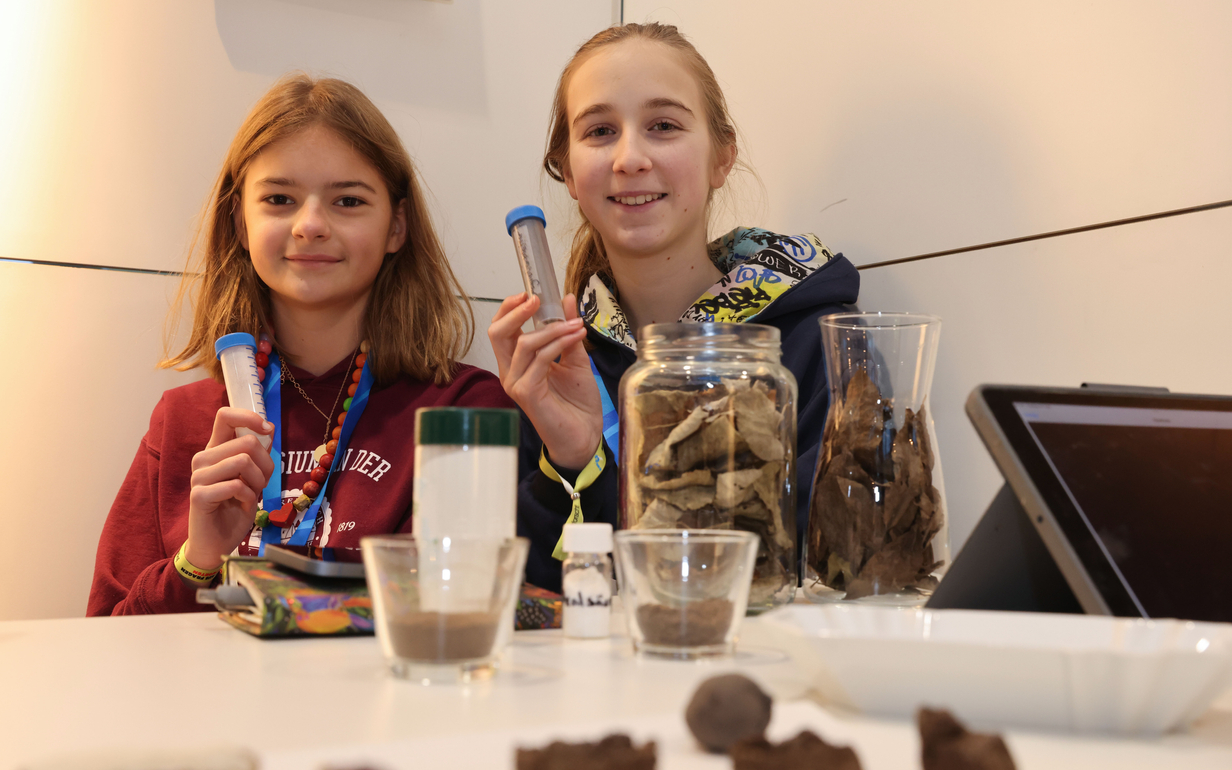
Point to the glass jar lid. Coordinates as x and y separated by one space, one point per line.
690 339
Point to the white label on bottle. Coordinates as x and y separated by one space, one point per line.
587 604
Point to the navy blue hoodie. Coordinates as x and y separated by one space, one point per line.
783 281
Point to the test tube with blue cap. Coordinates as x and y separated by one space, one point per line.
237 352
525 225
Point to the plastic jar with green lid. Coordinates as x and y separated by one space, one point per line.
466 472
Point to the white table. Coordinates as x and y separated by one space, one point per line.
180 681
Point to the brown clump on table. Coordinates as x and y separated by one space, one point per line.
945 744
695 624
806 750
727 709
874 509
714 459
615 752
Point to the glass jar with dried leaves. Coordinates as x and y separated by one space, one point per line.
878 529
708 441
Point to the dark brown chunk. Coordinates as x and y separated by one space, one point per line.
806 750
615 752
726 709
945 744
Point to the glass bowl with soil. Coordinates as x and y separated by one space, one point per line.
685 591
443 607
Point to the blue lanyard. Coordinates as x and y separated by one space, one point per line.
611 420
271 497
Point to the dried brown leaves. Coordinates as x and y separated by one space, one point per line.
875 510
714 459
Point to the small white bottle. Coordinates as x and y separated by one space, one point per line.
586 581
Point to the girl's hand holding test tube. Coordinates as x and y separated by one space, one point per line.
559 396
228 477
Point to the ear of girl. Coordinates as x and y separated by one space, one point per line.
641 137
317 229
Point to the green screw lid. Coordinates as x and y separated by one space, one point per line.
466 425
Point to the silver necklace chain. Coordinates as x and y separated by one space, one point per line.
285 374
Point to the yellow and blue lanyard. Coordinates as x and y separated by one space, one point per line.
611 420
611 436
574 490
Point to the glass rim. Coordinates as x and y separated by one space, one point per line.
892 319
675 330
685 536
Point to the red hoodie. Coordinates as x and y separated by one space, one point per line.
371 494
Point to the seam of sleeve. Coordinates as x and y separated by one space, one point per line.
158 513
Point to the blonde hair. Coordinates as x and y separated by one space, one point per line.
418 321
587 256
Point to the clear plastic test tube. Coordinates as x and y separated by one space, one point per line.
525 224
237 352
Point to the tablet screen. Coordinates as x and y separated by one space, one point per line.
1152 485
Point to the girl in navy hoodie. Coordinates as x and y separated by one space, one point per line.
641 137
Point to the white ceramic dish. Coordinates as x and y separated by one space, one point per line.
1067 672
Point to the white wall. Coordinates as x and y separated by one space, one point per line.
893 129
125 108
79 348
114 117
953 122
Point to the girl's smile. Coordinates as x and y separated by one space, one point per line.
637 199
311 258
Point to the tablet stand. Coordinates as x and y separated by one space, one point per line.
1005 566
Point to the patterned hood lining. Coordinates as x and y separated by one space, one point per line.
758 266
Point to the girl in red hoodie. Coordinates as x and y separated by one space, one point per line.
317 241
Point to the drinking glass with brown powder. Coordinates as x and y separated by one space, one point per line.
685 591
443 607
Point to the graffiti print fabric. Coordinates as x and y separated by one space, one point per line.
758 267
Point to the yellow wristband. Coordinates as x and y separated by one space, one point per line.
188 571
584 479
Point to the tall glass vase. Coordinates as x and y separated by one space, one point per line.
878 530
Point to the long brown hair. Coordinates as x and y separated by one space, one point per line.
587 256
418 320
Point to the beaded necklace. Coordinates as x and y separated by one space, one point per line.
323 454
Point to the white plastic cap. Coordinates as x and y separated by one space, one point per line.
588 538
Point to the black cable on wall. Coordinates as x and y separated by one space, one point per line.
885 263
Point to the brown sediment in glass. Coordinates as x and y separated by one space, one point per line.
443 637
